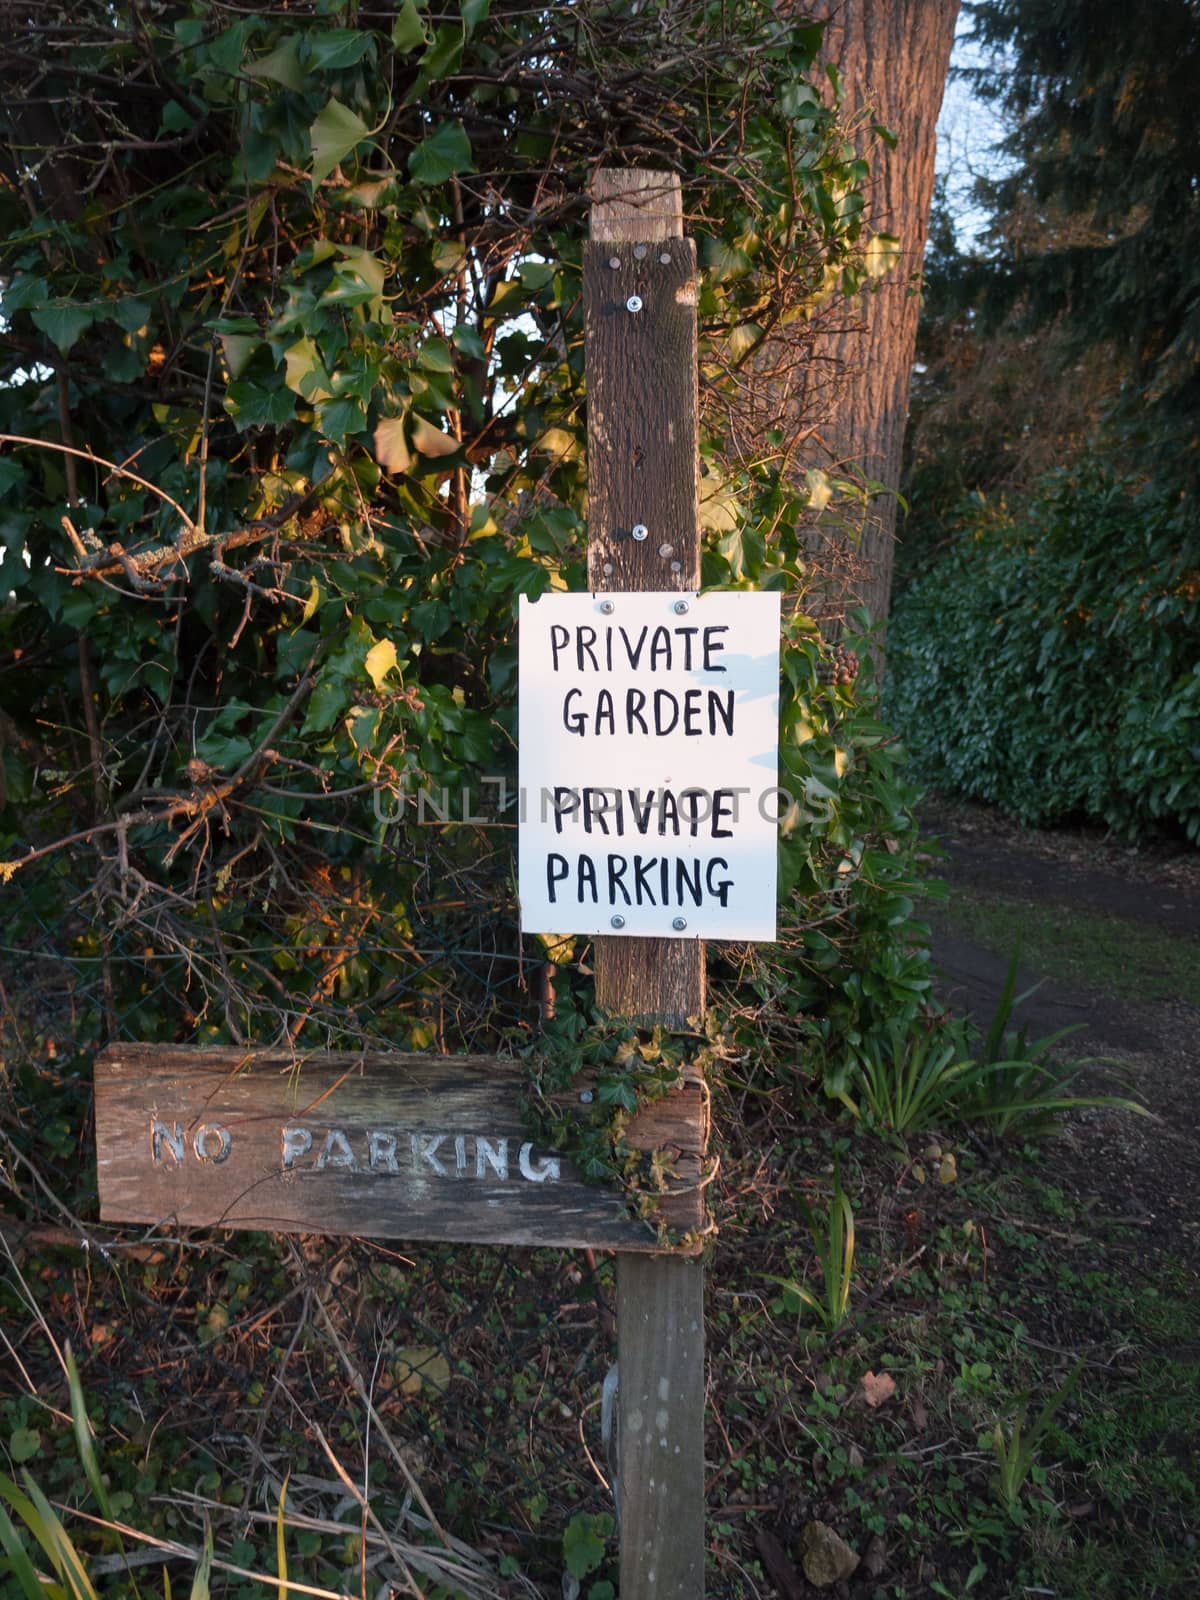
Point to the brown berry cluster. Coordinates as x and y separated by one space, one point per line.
842 666
381 699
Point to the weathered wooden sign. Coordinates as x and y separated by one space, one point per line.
648 747
385 1146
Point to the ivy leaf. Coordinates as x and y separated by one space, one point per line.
23 292
434 356
820 492
281 65
882 254
175 119
334 133
381 658
719 510
408 31
252 406
337 418
446 151
473 13
466 339
329 701
305 372
431 441
340 47
63 323
391 447
238 348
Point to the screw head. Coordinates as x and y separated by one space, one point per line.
666 550
618 921
614 262
586 1096
634 303
679 924
665 258
607 607
640 531
680 608
639 252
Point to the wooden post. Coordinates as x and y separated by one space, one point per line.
641 357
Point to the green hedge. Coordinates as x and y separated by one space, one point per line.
1049 662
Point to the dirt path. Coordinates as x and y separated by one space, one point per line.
1111 936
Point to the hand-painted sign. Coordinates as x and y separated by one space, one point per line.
648 740
391 1145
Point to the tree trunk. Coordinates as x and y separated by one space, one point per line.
892 56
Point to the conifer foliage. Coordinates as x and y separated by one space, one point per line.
1098 223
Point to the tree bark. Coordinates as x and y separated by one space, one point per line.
892 56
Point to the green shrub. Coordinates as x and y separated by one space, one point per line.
1048 664
292 408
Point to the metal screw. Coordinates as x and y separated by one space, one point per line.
679 924
665 258
586 1096
607 607
666 550
634 303
677 566
614 262
680 608
639 251
607 569
618 921
640 531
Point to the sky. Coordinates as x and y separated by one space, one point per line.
967 134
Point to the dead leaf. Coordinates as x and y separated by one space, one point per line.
431 441
877 1389
391 447
420 1368
875 1558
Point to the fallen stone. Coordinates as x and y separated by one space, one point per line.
825 1555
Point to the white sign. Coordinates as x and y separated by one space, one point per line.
648 750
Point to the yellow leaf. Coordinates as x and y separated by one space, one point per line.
819 491
948 1171
391 447
882 254
381 658
558 442
303 362
313 601
719 509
